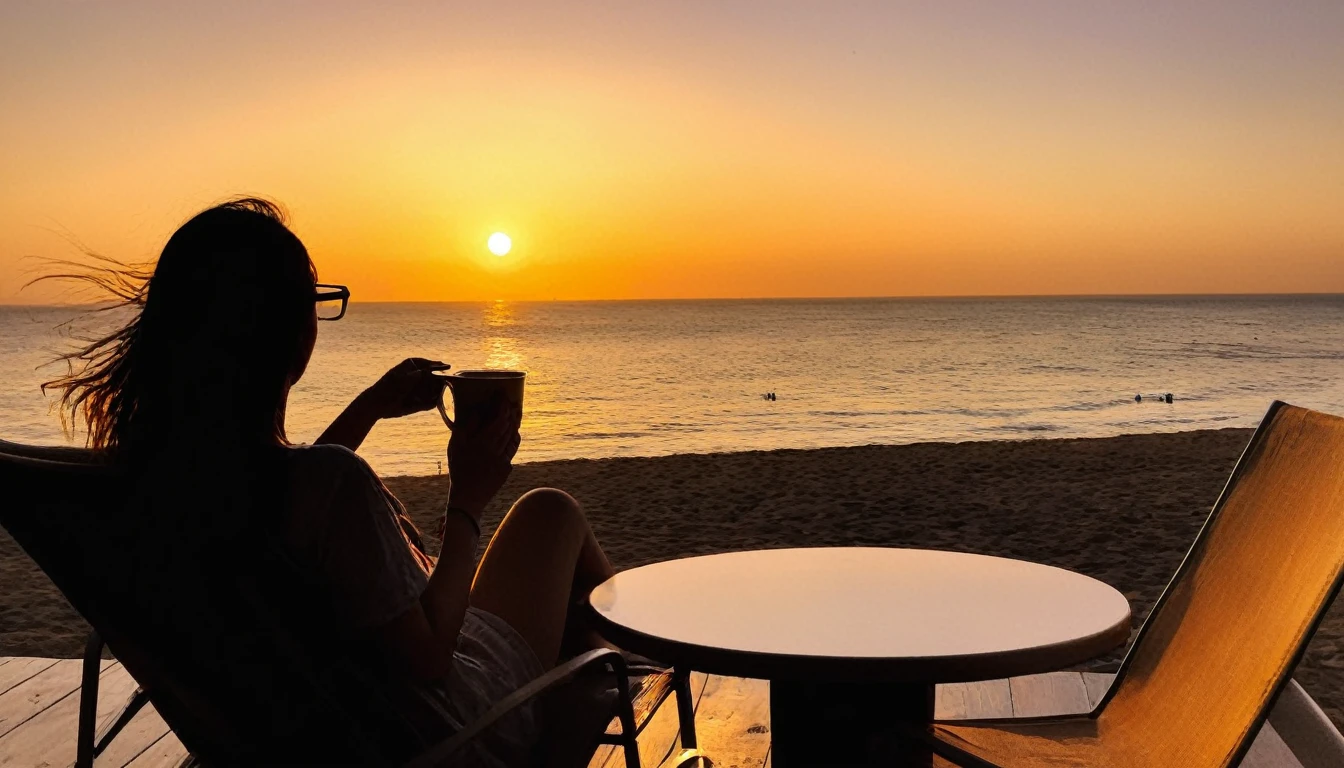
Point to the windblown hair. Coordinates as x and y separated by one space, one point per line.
217 327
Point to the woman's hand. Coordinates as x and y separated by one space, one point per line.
480 457
410 387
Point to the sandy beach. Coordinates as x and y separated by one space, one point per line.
1122 509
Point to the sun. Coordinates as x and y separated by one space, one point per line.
499 244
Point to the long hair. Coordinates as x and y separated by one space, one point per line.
217 328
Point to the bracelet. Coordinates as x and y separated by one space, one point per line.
475 524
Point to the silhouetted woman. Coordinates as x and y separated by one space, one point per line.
242 548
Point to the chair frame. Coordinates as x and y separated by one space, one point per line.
626 739
88 743
91 743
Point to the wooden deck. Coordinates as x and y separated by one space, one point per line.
39 702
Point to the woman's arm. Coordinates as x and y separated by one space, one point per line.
410 387
479 461
353 425
424 636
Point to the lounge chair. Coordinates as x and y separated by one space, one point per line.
1220 646
63 492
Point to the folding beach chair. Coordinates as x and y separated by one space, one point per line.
1221 643
89 744
62 523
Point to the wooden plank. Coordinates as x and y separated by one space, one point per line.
1053 693
1097 683
659 739
1269 751
140 734
48 738
973 701
733 721
5 660
167 752
21 669
25 700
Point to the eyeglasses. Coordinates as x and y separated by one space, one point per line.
331 301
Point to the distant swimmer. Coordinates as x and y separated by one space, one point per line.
1138 398
1168 397
772 397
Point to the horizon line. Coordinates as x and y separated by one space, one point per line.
930 297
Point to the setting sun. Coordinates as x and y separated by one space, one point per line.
499 244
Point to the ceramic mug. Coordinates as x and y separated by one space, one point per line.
474 392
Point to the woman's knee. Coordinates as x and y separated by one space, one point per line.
548 508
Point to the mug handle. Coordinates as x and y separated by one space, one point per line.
447 387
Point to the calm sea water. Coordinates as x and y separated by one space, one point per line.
653 378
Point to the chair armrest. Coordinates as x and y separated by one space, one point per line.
438 753
62 453
1306 730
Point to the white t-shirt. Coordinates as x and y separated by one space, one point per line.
344 527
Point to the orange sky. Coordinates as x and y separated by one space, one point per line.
696 149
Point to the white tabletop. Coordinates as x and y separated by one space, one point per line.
862 612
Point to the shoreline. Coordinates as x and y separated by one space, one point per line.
1027 436
1121 509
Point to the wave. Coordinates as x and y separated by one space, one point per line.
603 435
1024 428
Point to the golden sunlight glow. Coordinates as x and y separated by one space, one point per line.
499 244
903 149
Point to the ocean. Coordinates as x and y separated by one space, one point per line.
648 378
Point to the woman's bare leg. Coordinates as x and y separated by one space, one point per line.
540 562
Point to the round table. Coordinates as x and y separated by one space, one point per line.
854 639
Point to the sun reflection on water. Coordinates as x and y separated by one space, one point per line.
501 348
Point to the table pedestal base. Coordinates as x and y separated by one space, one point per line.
847 724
